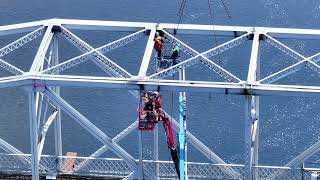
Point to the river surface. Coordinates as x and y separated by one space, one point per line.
288 126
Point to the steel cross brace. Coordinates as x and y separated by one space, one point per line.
11 149
101 60
92 129
21 41
103 49
203 57
310 62
304 155
10 68
198 145
16 45
105 148
289 70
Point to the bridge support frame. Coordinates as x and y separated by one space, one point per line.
37 80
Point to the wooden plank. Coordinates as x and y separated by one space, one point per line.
68 163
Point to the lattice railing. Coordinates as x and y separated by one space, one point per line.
12 163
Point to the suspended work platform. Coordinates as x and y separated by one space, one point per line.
45 77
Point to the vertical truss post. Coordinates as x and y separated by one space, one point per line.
182 129
156 150
57 123
252 110
33 135
140 166
247 136
255 129
255 113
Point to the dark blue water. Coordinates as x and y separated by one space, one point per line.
288 124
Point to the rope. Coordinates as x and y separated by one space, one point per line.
180 12
212 22
226 9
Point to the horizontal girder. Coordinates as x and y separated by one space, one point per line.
165 85
233 31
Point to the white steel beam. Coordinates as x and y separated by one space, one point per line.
156 150
105 148
203 57
92 129
13 81
7 66
252 72
54 58
282 47
20 28
103 49
41 53
140 162
298 160
310 61
44 133
104 25
248 139
183 28
147 54
252 112
21 41
167 85
101 60
33 135
9 148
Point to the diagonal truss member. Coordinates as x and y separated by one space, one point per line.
21 41
103 49
302 61
203 57
92 129
101 60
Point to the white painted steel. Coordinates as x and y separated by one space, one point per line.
42 50
203 57
44 133
140 171
54 58
41 82
252 73
103 49
21 28
33 136
8 147
101 60
105 148
147 54
21 41
92 129
14 70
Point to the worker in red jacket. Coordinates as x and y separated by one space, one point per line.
158 44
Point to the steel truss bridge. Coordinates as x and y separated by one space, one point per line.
44 80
